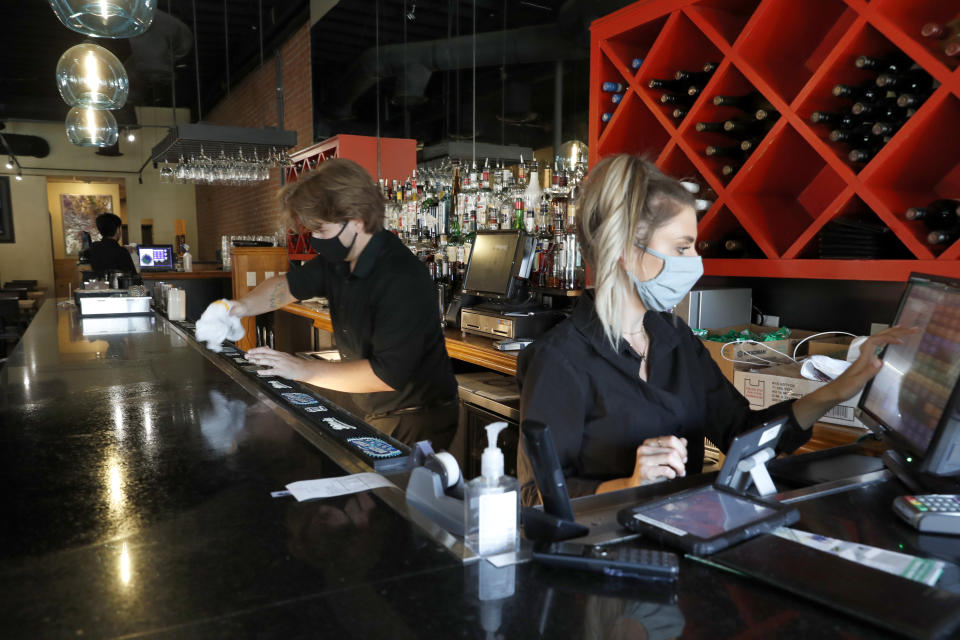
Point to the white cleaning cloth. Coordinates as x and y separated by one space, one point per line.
216 325
823 368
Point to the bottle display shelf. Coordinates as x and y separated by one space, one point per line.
778 108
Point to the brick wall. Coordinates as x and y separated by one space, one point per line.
253 103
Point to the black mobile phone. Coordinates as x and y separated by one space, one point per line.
624 560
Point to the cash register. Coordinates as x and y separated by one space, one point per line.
913 403
497 272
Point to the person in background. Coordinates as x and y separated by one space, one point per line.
382 305
628 391
106 254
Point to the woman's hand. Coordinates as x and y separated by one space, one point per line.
281 364
852 381
660 458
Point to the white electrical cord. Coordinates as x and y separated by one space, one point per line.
758 358
792 358
817 335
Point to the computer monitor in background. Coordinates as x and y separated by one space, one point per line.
914 398
496 261
155 257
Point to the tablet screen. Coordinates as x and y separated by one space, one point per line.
705 513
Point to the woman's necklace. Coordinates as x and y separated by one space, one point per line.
642 353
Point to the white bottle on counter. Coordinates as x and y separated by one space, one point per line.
492 503
187 258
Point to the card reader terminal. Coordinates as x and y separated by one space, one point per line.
930 513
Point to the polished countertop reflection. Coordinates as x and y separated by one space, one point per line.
139 474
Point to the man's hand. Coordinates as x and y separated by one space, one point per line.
281 364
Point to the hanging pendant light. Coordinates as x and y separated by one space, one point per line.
90 76
89 127
105 18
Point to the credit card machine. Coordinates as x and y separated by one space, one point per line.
930 513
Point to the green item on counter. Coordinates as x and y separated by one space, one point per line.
738 336
700 333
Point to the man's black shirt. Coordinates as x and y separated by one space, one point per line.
600 411
385 311
107 254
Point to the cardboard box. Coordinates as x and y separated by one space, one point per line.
749 351
766 387
835 347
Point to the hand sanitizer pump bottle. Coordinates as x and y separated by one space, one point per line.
492 503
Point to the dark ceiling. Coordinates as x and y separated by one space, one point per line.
228 36
232 35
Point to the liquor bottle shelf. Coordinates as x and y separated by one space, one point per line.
793 197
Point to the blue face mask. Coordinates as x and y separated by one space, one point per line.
678 276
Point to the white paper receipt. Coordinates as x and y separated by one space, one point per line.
340 486
923 570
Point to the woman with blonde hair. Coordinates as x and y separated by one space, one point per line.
627 389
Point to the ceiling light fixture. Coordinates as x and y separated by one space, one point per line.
105 18
89 127
10 163
90 76
19 177
131 136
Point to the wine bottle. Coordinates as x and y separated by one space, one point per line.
835 120
733 151
635 63
878 111
693 77
748 102
885 128
710 127
678 86
940 31
605 117
742 127
678 99
679 113
616 98
895 62
861 138
710 67
768 116
732 245
944 236
749 144
861 156
915 81
938 215
612 87
869 91
911 100
730 168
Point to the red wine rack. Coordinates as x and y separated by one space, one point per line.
796 180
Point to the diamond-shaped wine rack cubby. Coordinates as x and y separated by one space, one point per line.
795 203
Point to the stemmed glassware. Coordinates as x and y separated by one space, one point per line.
243 168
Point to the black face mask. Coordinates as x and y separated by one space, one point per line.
331 249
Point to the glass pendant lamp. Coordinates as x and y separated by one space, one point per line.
89 127
90 76
105 18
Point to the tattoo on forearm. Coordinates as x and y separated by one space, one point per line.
279 295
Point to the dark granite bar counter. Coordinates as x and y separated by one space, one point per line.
138 476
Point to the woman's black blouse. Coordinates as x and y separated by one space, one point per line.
599 410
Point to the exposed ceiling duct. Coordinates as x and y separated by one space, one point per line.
413 63
21 145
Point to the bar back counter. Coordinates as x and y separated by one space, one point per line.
139 471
